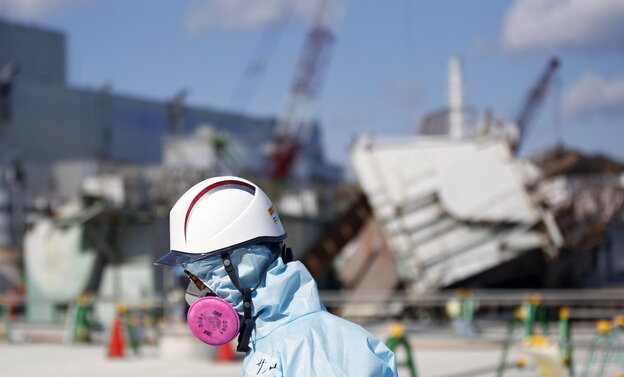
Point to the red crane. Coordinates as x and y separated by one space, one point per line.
533 101
293 129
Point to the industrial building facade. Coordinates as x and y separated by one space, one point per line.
47 121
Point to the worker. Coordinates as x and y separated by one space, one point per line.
228 237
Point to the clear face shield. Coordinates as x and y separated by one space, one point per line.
196 289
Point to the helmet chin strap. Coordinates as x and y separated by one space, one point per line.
248 323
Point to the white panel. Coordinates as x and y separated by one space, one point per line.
440 201
481 183
56 262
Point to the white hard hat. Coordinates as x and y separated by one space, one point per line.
219 215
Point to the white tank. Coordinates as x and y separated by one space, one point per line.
456 98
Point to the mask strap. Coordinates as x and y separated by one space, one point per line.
247 324
227 263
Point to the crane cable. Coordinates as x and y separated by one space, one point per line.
249 80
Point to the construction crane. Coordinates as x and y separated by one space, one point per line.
294 127
534 99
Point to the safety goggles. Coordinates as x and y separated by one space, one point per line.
196 289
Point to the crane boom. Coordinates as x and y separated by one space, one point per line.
290 132
534 99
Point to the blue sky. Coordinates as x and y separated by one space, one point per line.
389 62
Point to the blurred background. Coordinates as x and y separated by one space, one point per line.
450 172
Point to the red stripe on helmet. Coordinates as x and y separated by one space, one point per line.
207 190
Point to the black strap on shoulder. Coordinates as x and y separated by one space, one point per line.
248 323
286 254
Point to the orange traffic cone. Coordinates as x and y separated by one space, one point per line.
225 353
116 346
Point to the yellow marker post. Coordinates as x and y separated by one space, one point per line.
606 336
565 337
397 338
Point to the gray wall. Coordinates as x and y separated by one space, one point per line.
53 123
40 53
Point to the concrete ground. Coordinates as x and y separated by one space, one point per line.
29 360
25 360
437 354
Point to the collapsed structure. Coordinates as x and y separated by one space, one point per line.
458 207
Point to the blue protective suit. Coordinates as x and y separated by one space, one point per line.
294 335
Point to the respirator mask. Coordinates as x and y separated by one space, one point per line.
215 290
211 319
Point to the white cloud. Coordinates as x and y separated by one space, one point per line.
30 8
593 95
589 24
202 15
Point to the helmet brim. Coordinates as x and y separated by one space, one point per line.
178 258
